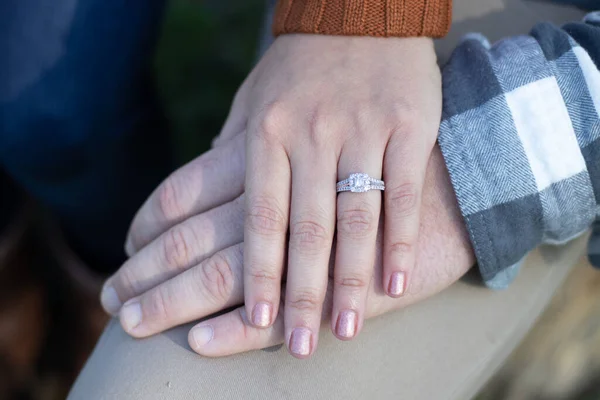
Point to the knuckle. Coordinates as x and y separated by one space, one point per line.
208 163
401 248
128 283
157 305
265 218
352 281
176 248
218 278
403 199
169 201
318 124
308 236
397 117
403 113
261 276
305 300
357 222
403 122
271 120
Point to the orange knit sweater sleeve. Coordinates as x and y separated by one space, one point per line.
364 17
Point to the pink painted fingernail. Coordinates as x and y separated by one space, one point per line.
396 285
300 341
346 324
261 314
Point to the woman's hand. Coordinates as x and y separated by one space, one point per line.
187 265
318 109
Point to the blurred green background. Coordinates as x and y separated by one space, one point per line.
206 50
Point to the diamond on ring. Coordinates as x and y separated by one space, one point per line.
359 183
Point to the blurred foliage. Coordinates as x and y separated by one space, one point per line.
205 51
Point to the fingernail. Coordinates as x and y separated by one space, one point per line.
202 335
396 285
110 300
131 315
346 324
300 341
261 315
129 249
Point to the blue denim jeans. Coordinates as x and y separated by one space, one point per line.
80 126
584 4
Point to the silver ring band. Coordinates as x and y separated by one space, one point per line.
359 183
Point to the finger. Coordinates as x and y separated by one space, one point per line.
213 285
266 221
232 333
176 250
312 222
438 253
357 222
210 180
404 171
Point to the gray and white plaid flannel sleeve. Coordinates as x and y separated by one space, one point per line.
520 135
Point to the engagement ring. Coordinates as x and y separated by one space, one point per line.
359 183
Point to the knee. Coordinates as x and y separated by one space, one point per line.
42 133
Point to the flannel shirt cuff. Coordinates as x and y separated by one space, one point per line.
520 135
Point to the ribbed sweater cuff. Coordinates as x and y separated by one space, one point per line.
403 18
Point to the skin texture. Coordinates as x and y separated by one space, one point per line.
194 268
316 109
